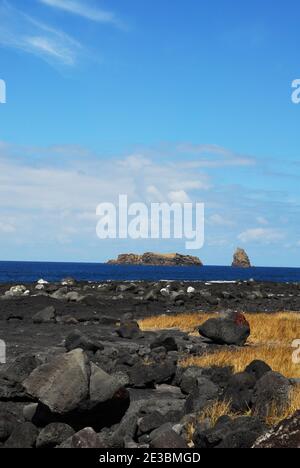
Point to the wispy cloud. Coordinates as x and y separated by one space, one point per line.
85 10
263 235
21 31
213 156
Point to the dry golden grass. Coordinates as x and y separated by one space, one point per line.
279 359
278 414
276 328
215 410
211 413
218 409
186 322
166 255
271 339
223 408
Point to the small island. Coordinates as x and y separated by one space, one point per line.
150 258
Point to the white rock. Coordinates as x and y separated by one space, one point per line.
18 290
165 292
42 281
68 282
191 290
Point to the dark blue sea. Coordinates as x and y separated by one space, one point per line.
27 272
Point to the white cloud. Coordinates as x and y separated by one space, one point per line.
213 156
179 197
135 162
51 48
262 235
85 10
21 31
154 194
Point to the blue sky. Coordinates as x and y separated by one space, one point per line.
160 100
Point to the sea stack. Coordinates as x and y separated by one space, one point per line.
241 259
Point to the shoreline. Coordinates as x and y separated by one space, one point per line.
146 296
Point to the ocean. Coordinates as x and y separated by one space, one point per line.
27 272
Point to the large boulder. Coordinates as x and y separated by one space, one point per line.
285 435
204 393
8 422
230 329
146 376
21 368
219 375
59 294
239 391
229 433
241 259
62 383
165 340
11 380
86 438
258 369
47 315
273 389
11 391
23 436
107 402
129 329
77 339
150 422
54 434
168 439
102 386
188 380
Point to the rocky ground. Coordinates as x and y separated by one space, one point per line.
80 372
